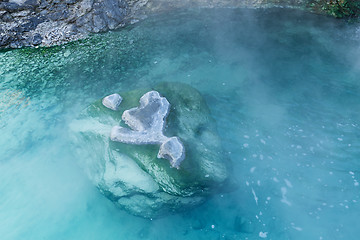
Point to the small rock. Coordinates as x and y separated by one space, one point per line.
113 10
23 13
32 3
61 12
112 101
7 17
44 12
31 24
71 1
16 44
112 23
67 53
10 6
84 7
99 24
37 39
4 40
43 4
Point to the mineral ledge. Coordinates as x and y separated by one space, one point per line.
147 124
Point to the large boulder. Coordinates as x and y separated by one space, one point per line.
135 176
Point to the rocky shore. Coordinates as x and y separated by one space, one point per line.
53 22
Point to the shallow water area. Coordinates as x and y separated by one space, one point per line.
283 86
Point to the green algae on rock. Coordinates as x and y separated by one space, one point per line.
337 8
132 176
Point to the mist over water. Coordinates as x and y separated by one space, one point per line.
282 85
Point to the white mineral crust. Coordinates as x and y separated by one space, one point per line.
112 101
147 124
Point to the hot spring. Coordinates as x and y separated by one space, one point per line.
282 85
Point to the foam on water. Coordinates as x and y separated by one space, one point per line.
283 86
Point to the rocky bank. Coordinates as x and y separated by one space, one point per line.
53 22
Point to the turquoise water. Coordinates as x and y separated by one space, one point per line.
283 86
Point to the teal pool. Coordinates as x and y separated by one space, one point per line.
283 86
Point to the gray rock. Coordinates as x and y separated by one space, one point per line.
44 12
7 17
21 14
37 39
31 24
89 16
32 3
84 7
114 10
112 23
10 6
97 8
44 4
71 1
99 24
84 23
112 101
16 44
60 12
4 39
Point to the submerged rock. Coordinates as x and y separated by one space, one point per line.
132 175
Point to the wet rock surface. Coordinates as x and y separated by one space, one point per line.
133 176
